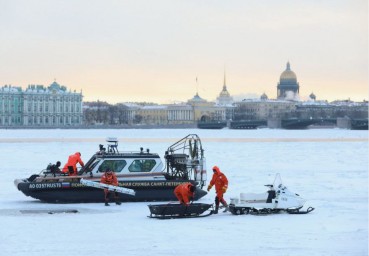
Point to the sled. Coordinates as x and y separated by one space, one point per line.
109 187
176 211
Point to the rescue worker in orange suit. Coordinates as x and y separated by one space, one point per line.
221 185
71 166
185 193
110 178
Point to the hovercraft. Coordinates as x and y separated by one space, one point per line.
140 171
278 198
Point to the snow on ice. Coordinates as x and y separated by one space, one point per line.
328 167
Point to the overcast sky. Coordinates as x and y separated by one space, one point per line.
150 50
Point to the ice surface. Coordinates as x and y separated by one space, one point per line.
328 167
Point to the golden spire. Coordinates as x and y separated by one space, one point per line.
224 83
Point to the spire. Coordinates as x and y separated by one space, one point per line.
288 66
224 83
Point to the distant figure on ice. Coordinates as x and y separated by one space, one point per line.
71 166
221 186
185 193
110 178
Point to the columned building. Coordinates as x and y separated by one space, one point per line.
206 111
180 114
288 88
51 106
11 106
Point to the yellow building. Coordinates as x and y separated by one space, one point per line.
156 115
206 111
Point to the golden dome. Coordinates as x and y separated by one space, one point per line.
288 74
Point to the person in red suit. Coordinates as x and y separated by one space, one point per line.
71 166
221 185
185 193
109 178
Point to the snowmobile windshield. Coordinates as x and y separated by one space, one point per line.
277 181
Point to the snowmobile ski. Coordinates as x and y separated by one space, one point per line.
298 211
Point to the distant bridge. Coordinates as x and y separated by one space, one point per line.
288 123
212 124
297 123
248 124
359 124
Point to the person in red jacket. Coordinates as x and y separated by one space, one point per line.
185 193
221 185
109 178
71 166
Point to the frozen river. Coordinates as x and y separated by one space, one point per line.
329 167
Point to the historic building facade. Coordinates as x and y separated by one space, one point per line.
206 111
263 109
11 106
38 105
180 114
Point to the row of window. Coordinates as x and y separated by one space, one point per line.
12 120
39 98
53 108
52 120
39 120
53 99
142 165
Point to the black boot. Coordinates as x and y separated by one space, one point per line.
216 205
107 204
116 198
226 207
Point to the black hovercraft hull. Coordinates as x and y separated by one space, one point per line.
75 192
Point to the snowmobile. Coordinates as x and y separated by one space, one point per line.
278 198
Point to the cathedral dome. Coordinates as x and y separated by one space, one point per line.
264 96
288 74
197 98
288 84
